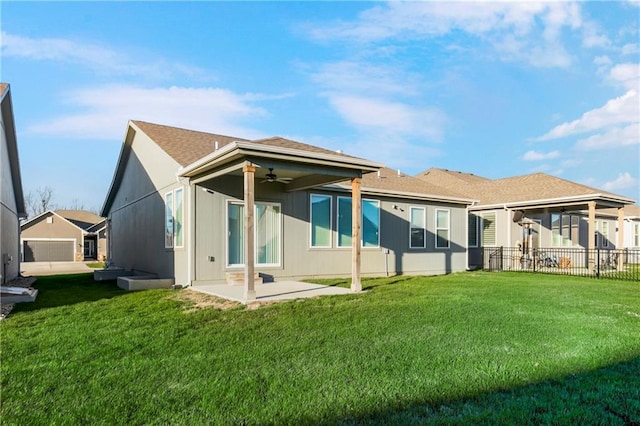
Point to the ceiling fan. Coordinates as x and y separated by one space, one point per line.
272 177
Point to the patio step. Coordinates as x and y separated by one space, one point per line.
237 278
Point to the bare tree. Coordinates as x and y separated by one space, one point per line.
39 201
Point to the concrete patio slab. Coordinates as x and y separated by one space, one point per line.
270 292
53 268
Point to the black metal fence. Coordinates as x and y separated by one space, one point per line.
621 264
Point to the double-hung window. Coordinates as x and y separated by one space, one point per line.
173 219
370 222
267 227
418 231
442 228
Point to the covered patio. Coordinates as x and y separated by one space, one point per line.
272 292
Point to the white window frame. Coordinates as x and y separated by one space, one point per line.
476 231
605 233
424 228
636 235
338 245
448 228
495 227
175 219
168 211
255 234
311 221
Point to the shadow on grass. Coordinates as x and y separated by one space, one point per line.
367 283
62 290
609 395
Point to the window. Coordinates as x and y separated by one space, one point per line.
174 218
418 221
472 229
344 222
605 234
370 222
320 220
168 220
489 229
267 234
565 230
442 228
177 220
636 234
235 232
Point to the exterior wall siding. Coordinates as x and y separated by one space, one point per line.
299 259
9 222
137 214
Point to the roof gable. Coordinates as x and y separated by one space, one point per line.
6 109
184 146
81 218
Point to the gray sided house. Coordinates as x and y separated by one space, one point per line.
12 206
203 209
537 211
64 236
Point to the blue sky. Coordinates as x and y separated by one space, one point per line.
494 88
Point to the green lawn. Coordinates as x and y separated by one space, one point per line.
464 348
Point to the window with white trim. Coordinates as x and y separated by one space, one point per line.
443 220
605 234
565 230
178 234
418 225
472 229
370 222
268 234
168 220
489 229
320 221
636 234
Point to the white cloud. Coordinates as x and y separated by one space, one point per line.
612 138
537 156
102 59
621 110
627 75
365 78
107 109
390 118
623 181
529 31
629 49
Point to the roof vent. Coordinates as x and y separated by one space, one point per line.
399 173
378 174
217 145
339 151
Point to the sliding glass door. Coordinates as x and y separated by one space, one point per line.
268 234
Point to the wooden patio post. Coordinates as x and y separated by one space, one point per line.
620 244
249 237
356 234
592 236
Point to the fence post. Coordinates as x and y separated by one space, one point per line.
501 258
535 258
598 262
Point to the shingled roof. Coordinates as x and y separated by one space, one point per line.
524 188
81 218
187 146
393 181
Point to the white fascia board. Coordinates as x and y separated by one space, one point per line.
546 201
252 148
403 194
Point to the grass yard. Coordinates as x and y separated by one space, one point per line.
463 348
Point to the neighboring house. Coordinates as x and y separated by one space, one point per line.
536 211
64 236
200 208
11 196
